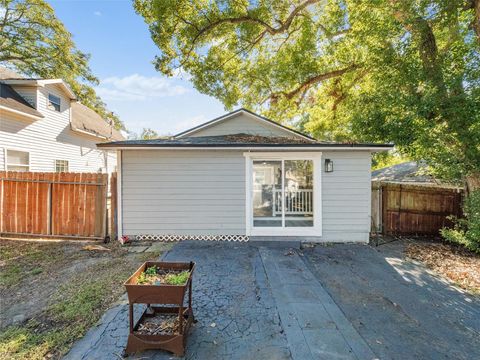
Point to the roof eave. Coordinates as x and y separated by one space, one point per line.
18 112
370 147
32 82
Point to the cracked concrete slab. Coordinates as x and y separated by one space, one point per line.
327 303
301 304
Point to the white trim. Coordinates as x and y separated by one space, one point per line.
5 152
285 148
42 83
119 197
20 113
237 113
316 230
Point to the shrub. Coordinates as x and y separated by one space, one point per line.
466 231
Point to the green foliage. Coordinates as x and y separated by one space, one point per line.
36 43
467 231
406 72
148 134
385 159
177 279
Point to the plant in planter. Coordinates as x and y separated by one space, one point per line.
165 325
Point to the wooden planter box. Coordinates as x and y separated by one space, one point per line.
160 295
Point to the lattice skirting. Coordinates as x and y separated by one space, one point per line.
240 238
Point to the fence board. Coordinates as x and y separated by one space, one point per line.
409 209
53 204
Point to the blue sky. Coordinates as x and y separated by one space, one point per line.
121 57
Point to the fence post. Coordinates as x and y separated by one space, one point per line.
1 202
113 206
49 209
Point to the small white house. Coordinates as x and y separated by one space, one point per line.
43 128
242 176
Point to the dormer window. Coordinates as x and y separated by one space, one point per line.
54 102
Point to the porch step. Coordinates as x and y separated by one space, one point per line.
275 242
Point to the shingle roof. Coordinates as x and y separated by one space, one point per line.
85 119
8 74
9 98
234 140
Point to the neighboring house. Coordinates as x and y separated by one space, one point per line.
407 172
243 176
43 128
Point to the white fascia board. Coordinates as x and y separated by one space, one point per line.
42 83
304 148
20 113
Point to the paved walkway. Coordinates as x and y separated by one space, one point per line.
247 308
314 325
329 302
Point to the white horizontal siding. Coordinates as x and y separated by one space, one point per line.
243 123
51 138
183 193
203 193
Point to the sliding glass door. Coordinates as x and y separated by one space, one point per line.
282 195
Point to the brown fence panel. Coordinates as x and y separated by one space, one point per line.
113 206
418 209
53 204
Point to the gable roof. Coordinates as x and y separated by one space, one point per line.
236 113
240 141
87 120
10 77
10 100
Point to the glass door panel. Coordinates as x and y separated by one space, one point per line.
298 192
267 193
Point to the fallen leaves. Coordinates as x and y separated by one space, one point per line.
457 264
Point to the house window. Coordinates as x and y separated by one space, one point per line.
61 165
18 160
53 102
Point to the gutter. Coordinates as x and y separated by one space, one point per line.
255 148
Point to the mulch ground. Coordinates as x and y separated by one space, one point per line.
453 262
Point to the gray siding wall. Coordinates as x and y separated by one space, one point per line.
203 193
183 192
346 197
243 123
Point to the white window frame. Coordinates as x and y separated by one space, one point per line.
55 164
50 102
316 229
6 164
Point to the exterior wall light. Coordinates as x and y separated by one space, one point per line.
328 165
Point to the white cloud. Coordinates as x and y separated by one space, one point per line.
97 13
137 87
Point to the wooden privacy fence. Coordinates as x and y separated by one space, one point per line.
413 209
53 204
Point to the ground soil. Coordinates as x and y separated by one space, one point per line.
51 287
453 262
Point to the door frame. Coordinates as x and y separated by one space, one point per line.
316 230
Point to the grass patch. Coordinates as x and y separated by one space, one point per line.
75 305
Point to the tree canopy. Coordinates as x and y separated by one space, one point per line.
37 43
402 71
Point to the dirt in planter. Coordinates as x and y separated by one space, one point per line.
155 276
160 324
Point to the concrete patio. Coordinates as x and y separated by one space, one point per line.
328 302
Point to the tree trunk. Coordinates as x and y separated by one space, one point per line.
472 182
